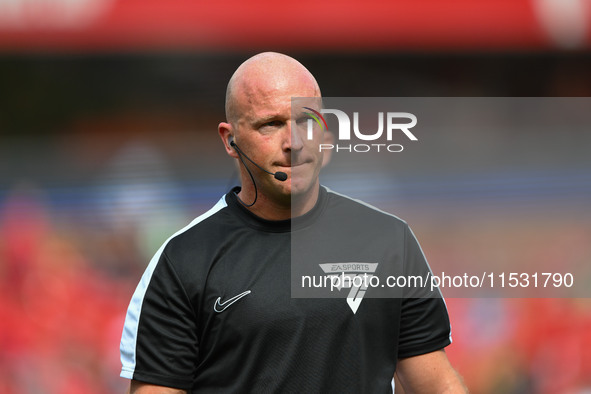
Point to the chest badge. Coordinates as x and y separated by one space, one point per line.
351 275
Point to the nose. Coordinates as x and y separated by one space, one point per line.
294 141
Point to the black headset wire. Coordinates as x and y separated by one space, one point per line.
239 151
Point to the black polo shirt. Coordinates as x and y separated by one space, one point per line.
214 310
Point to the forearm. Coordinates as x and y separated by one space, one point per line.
136 387
453 384
428 374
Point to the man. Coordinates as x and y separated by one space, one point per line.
214 312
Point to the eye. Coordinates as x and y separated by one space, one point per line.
272 124
303 120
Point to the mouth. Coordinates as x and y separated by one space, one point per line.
293 165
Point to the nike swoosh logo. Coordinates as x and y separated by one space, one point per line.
222 306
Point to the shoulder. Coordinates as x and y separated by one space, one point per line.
186 255
358 210
201 234
202 229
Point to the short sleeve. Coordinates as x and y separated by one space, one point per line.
159 343
424 322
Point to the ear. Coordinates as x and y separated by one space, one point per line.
226 134
327 138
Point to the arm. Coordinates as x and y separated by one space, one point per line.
159 341
428 373
136 387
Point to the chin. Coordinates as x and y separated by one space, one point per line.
301 181
300 187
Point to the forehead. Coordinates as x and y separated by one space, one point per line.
265 95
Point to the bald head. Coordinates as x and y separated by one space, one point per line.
263 74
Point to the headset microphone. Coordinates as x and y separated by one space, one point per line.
280 176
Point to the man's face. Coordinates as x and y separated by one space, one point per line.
275 137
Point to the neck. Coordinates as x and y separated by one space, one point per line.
280 208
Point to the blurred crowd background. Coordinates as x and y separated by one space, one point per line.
108 144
